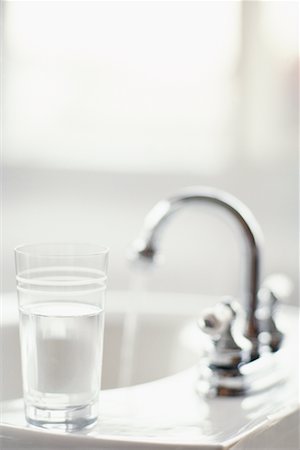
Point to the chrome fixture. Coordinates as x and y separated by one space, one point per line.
230 369
230 348
233 350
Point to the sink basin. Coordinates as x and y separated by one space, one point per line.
144 339
150 372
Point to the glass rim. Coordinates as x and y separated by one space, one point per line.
96 249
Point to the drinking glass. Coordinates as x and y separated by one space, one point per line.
61 291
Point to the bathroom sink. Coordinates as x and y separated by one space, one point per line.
145 338
152 354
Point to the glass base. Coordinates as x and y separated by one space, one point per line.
70 419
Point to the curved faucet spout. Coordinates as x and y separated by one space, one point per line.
146 246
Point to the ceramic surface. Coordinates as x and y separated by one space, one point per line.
169 413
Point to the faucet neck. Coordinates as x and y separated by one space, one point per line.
159 216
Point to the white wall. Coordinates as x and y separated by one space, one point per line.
162 87
120 85
110 106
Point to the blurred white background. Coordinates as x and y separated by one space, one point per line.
110 106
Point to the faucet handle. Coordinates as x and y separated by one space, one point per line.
221 323
269 335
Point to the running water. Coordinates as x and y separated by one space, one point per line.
138 283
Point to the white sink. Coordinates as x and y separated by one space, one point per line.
154 337
144 339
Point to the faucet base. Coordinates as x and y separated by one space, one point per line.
250 378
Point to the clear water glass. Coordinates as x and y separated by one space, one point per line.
61 291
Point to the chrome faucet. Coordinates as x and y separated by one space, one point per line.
145 250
